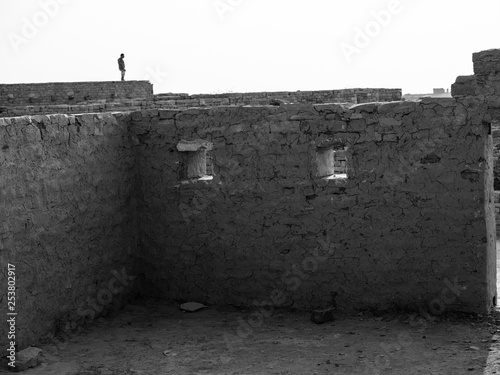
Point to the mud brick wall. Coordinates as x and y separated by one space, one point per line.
33 94
66 198
484 85
414 216
353 96
120 105
108 101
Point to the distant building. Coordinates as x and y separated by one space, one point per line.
437 93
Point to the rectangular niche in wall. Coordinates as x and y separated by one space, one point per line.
196 159
331 160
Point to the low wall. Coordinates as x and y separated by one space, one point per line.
96 107
353 96
33 94
162 101
410 219
66 197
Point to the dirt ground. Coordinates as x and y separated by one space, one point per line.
153 337
156 337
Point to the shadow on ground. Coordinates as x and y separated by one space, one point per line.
152 337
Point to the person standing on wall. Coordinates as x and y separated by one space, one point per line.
121 66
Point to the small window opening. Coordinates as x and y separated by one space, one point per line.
196 160
331 161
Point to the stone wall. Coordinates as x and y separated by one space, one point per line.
389 205
67 224
413 215
353 96
484 85
41 94
102 106
162 101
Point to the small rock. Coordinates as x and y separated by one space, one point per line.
169 353
322 316
277 102
27 358
474 348
192 306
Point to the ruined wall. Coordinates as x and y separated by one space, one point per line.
66 192
412 217
115 102
484 86
353 96
118 105
410 224
37 94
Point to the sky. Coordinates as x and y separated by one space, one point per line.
219 46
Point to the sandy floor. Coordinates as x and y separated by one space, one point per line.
156 338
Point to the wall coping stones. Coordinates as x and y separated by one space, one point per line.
486 62
53 93
193 145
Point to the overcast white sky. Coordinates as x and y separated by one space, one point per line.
216 46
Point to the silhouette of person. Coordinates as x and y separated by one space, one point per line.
121 66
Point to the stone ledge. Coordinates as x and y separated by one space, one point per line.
486 62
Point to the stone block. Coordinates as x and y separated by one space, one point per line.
337 126
27 358
486 62
389 121
468 86
390 138
357 125
194 145
322 316
285 127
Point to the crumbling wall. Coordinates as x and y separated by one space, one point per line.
115 101
40 94
66 192
101 106
411 220
385 204
353 96
484 86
